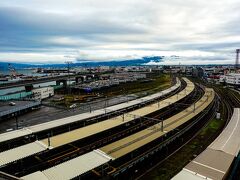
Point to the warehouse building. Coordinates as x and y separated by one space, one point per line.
43 93
230 79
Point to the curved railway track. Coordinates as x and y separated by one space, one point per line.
165 152
131 151
227 100
208 115
48 159
13 143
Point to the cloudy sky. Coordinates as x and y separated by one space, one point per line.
54 31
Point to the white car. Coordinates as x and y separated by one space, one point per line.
73 106
12 103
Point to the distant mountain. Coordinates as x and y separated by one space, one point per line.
130 62
84 63
4 65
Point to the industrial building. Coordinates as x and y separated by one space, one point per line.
43 93
230 79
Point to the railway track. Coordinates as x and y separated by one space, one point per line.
227 100
10 144
47 159
207 116
189 100
74 154
133 150
164 152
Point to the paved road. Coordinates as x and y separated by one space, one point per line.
46 114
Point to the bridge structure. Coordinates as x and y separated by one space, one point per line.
78 78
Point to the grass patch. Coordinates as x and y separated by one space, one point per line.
140 88
175 163
158 82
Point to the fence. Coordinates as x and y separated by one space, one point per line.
19 95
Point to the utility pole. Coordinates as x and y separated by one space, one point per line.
49 142
16 118
68 70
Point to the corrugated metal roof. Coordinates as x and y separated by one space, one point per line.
14 134
130 143
229 141
73 168
63 121
211 163
215 162
77 134
67 120
21 152
92 129
188 175
59 122
35 176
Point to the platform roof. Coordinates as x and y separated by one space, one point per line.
14 134
21 152
229 140
35 176
130 143
211 163
73 168
188 175
87 131
215 162
71 119
63 121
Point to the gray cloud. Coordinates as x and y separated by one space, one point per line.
113 29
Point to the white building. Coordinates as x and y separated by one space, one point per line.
42 93
231 79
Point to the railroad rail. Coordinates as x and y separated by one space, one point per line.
215 162
52 157
65 138
143 137
195 110
228 99
32 131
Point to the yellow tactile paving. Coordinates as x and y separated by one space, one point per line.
145 136
87 131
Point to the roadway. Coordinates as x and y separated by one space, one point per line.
46 113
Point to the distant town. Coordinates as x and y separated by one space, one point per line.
49 103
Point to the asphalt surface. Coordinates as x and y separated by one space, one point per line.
46 114
4 106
